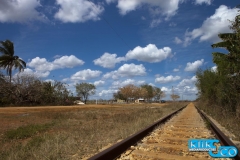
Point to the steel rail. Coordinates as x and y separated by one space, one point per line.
224 140
116 150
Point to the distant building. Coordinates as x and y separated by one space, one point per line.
120 101
140 100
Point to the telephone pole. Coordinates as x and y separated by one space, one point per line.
173 94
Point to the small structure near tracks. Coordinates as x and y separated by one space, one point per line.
78 102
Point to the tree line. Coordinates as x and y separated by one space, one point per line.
131 93
221 87
29 90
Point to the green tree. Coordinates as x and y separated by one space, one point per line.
158 94
8 60
229 63
150 91
119 95
228 68
84 90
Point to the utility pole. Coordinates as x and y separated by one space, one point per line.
173 94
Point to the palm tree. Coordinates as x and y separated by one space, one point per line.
8 60
229 63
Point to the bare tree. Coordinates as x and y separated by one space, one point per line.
175 97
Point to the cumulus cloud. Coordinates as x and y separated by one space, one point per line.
166 90
108 60
20 11
126 70
175 70
107 93
118 84
167 8
78 11
177 40
187 82
212 26
194 66
150 53
203 1
40 74
86 75
130 70
167 79
112 74
99 83
41 64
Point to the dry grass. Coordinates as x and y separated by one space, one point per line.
226 119
74 133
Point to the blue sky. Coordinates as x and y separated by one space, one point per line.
112 43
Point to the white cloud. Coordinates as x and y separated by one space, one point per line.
155 23
112 74
151 84
118 84
212 26
49 80
41 64
20 11
78 11
167 8
150 53
107 93
99 83
175 70
187 90
130 70
68 61
194 66
86 75
177 40
108 60
214 68
126 70
40 74
187 82
203 1
167 79
166 90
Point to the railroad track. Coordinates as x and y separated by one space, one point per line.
168 140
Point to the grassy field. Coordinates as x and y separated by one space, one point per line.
73 132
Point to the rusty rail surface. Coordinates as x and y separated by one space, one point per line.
116 150
224 140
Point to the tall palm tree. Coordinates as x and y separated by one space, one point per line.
8 60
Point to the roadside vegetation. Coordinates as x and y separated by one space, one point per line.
28 90
219 90
75 133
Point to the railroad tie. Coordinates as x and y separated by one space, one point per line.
170 140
